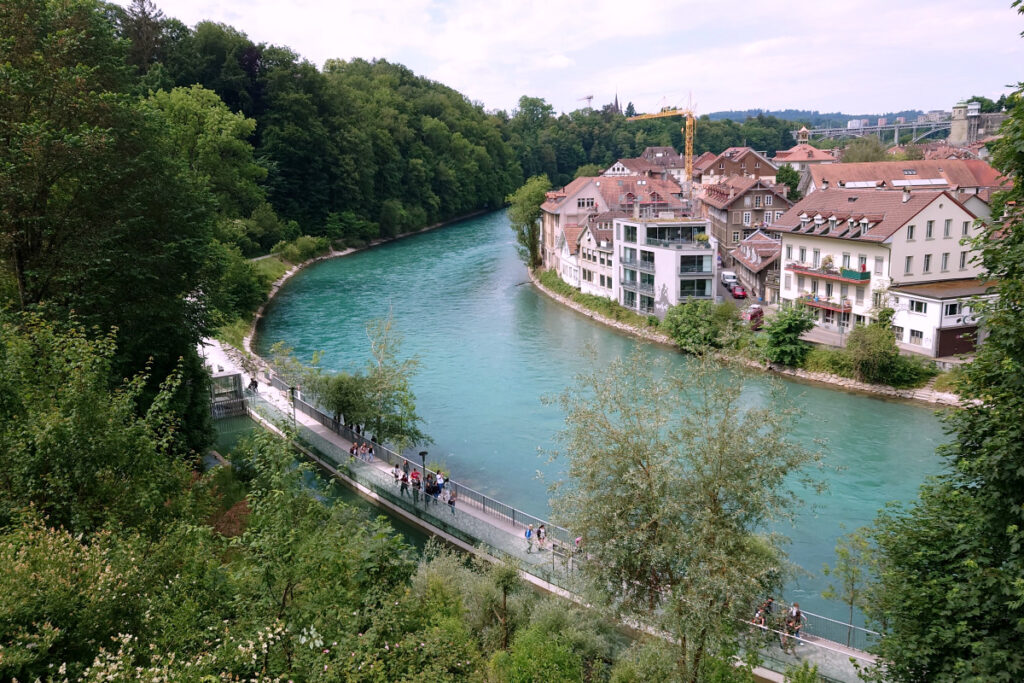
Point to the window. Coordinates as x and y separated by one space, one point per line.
630 234
800 282
629 277
817 257
910 233
947 228
945 262
844 290
859 295
814 286
879 263
963 260
908 265
862 262
735 216
768 200
694 288
584 202
735 236
788 283
953 309
898 332
966 228
721 164
695 264
628 255
757 164
789 252
803 254
829 317
629 299
918 306
746 218
928 229
778 215
927 263
767 218
846 260
917 337
757 202
828 289
876 299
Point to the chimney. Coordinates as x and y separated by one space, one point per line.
906 195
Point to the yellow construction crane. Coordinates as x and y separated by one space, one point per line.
691 123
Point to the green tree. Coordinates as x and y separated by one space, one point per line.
524 214
873 351
630 110
345 395
781 341
952 604
851 572
392 403
700 326
671 483
868 148
588 171
789 177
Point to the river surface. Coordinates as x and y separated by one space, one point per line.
490 346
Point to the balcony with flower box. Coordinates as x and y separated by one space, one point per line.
829 304
857 277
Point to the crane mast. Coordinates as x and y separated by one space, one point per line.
687 130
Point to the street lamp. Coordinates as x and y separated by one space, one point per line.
423 457
291 393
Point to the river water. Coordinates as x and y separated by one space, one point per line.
490 346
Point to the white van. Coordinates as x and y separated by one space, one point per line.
729 278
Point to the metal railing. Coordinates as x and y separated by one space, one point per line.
645 286
677 243
645 266
502 511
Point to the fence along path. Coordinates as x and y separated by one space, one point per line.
483 521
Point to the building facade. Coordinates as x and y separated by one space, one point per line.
756 262
738 161
661 262
738 206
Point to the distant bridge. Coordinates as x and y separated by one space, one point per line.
919 131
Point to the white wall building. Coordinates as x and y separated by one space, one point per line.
846 254
660 262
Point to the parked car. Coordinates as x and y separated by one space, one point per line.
729 278
738 292
754 316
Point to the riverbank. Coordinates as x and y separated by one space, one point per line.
924 394
247 341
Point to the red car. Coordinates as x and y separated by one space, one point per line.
754 316
738 292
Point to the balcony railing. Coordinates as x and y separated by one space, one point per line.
645 266
628 262
677 243
630 284
646 310
694 270
829 304
645 286
837 274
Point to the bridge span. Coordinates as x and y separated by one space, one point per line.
918 131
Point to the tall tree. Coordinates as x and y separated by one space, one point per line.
671 483
392 403
789 177
867 148
524 216
950 590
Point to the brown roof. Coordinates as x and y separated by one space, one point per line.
572 234
618 193
594 220
555 197
955 173
638 165
704 160
663 156
758 251
947 289
721 195
803 152
886 212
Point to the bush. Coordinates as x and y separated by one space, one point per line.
598 304
697 326
825 359
302 248
781 341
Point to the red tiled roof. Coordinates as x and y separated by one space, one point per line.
704 160
663 156
638 165
572 237
663 194
803 152
956 172
554 198
758 251
731 188
886 212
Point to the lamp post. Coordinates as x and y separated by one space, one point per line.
291 393
423 458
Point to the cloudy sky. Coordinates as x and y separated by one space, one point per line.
854 56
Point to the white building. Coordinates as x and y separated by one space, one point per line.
660 262
848 253
596 254
935 318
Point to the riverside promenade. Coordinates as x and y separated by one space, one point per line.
489 528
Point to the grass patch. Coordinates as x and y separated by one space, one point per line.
947 381
598 304
271 268
234 332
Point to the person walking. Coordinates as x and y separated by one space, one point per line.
451 501
405 467
404 490
529 539
542 537
397 474
416 484
440 480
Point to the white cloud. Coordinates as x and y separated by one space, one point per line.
869 55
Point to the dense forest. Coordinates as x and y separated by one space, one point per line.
143 163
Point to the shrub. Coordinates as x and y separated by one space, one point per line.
697 326
781 341
833 361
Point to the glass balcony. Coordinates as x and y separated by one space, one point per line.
836 274
645 266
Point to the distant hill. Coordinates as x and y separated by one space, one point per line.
811 118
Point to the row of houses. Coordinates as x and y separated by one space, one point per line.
866 236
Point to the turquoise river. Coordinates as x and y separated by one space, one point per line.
490 346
